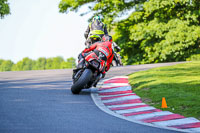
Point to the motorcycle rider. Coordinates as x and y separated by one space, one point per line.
104 50
96 27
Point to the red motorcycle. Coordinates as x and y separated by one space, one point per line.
88 72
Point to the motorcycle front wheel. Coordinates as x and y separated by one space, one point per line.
81 82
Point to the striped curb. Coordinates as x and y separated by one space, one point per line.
114 96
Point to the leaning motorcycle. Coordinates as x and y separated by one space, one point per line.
88 73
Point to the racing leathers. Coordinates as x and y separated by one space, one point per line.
95 28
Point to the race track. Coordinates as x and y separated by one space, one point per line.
41 102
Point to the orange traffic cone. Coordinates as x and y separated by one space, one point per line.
164 104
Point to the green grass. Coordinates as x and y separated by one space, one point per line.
179 84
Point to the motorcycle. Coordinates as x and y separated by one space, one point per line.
88 73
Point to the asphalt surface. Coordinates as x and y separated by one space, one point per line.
41 102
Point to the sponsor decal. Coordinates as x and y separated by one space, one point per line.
103 51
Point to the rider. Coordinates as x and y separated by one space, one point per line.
103 50
96 27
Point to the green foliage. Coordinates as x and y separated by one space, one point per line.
57 62
6 65
195 57
49 63
1 61
163 31
109 9
4 8
25 64
54 63
157 31
70 63
40 64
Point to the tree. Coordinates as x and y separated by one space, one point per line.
156 31
163 31
65 65
40 64
54 63
1 61
109 9
25 64
4 8
72 62
6 65
57 62
49 62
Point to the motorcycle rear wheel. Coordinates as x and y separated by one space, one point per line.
82 81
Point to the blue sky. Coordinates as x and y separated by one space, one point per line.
36 29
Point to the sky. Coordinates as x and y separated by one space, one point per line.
35 28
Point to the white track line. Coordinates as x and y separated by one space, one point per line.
176 122
125 105
118 77
150 115
115 95
116 89
113 85
121 99
134 110
193 130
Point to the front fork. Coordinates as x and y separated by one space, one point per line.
76 74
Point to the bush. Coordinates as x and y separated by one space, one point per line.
195 57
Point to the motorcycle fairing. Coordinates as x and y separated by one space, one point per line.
92 56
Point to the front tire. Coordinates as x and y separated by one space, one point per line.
82 81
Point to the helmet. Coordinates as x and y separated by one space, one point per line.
96 18
107 38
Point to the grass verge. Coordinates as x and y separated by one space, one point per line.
179 84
